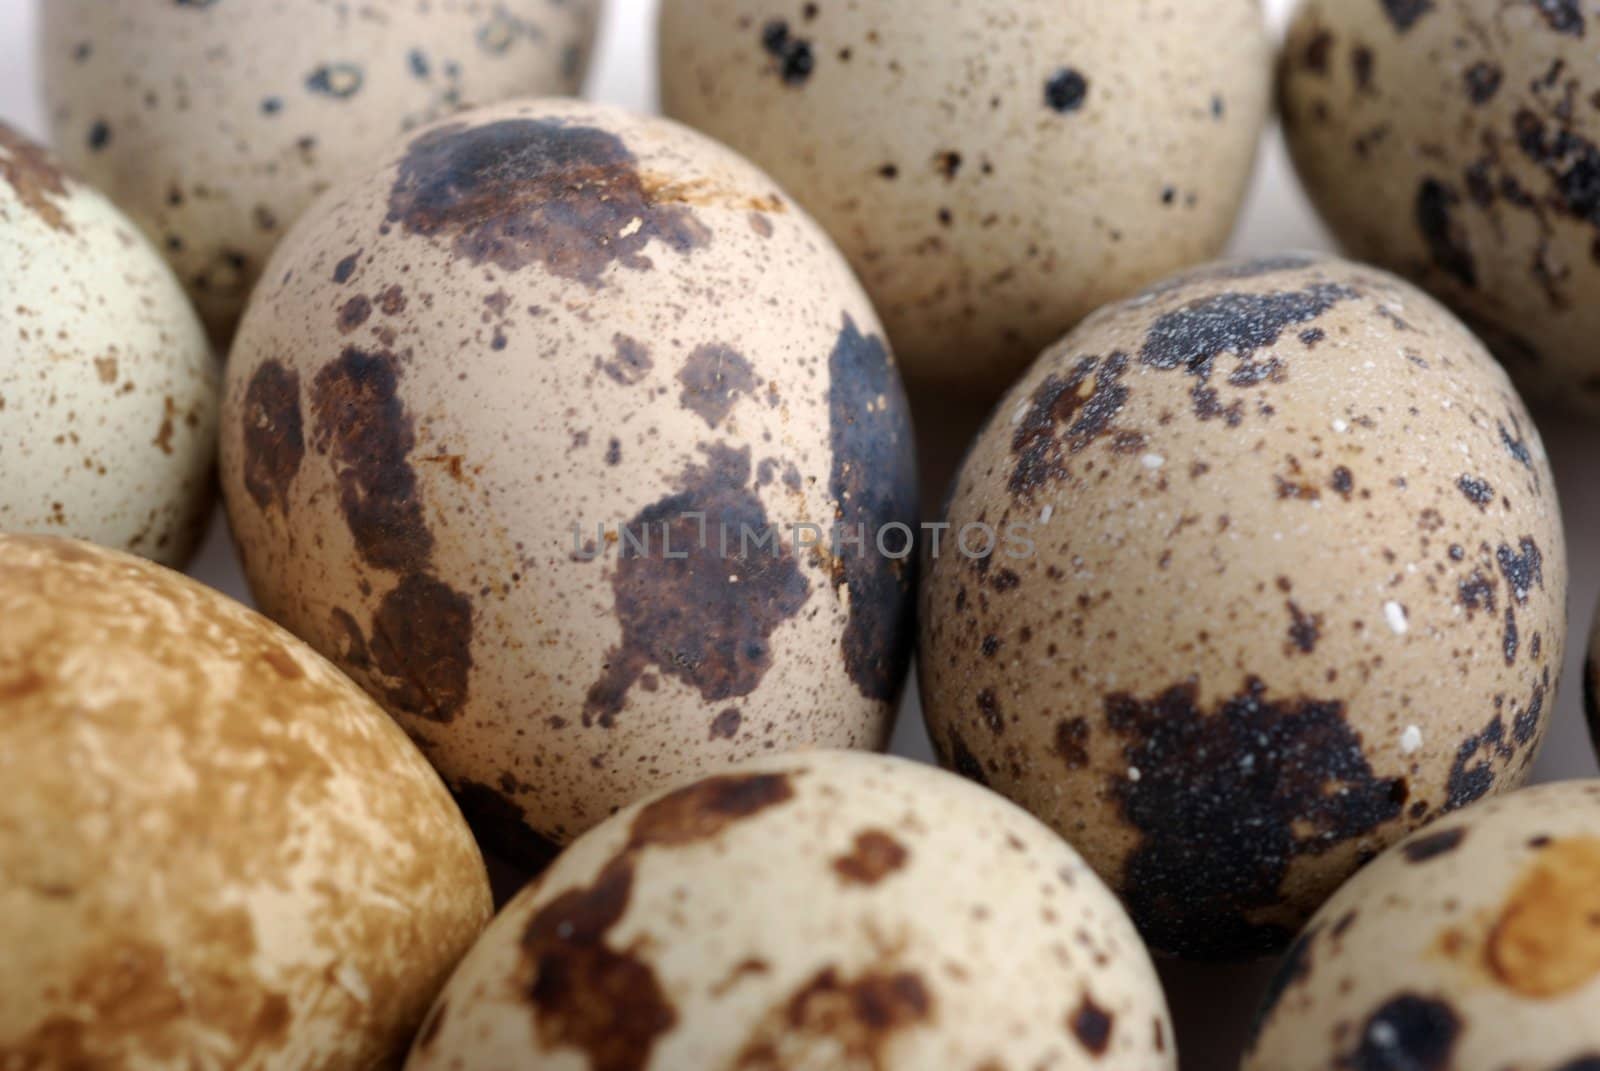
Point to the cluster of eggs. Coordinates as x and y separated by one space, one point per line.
568 453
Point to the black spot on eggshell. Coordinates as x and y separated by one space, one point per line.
1447 241
1474 772
339 80
1192 337
1477 490
1523 568
1092 1026
793 55
274 437
1064 416
1562 16
714 378
1066 91
1304 629
873 483
517 192
1405 13
706 617
1431 846
955 755
1483 81
346 268
1225 800
1408 1033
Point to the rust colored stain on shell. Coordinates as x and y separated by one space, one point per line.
274 435
1546 941
714 378
874 856
842 1022
873 483
34 177
517 192
705 618
592 997
362 424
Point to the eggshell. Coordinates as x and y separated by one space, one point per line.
496 428
1288 581
994 172
831 910
215 124
215 851
1474 946
1459 144
108 390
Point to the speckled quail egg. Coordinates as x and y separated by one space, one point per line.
1473 946
832 910
215 124
215 851
1459 144
108 389
994 172
524 430
1249 577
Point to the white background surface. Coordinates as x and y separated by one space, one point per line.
1212 1005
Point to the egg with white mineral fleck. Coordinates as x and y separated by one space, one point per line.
1278 576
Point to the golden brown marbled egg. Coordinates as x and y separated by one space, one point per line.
215 851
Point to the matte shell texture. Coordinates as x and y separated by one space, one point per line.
470 372
1473 946
215 851
1296 586
215 123
108 390
833 911
1459 144
994 172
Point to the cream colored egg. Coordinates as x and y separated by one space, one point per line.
994 171
214 123
1278 577
108 389
832 910
1459 144
215 851
519 431
1474 946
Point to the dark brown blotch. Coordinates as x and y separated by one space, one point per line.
273 434
1092 1026
422 642
1431 846
1066 414
518 192
874 856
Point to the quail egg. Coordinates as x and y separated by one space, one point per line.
544 431
1249 577
215 851
214 125
1459 144
1473 946
994 172
108 389
831 910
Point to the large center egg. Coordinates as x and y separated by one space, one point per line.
499 423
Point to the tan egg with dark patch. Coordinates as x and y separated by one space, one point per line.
520 431
994 171
108 388
1459 144
215 851
833 910
1473 946
215 124
1275 575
